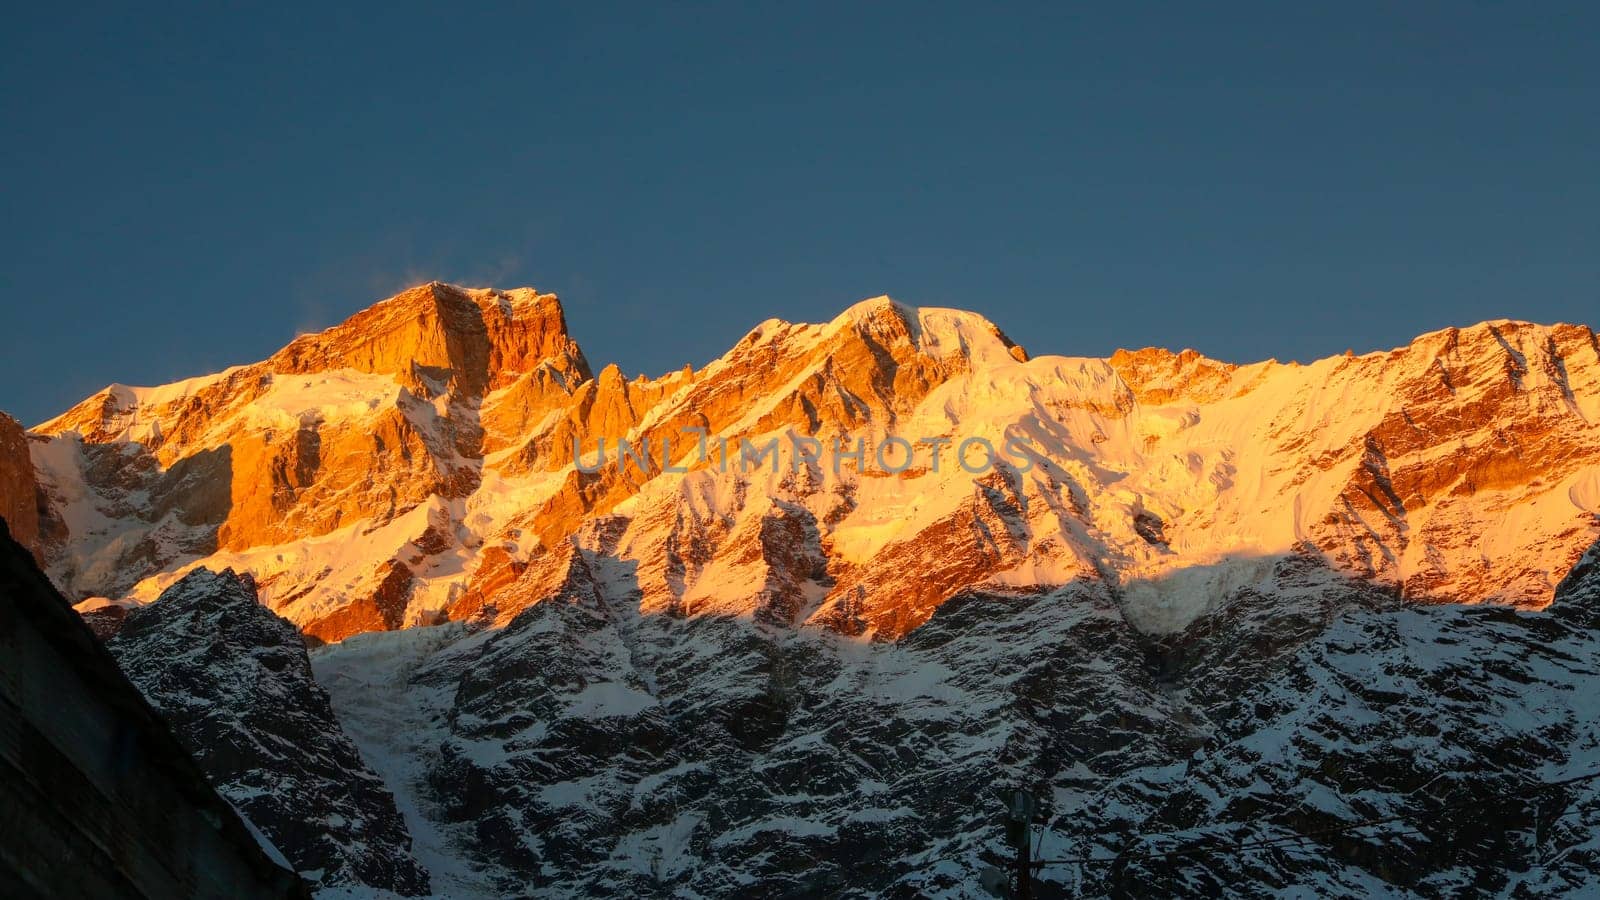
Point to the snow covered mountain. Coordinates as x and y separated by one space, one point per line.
414 464
1191 602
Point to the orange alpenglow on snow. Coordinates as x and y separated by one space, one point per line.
414 464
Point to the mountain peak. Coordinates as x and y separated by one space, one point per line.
933 331
873 307
475 339
1158 376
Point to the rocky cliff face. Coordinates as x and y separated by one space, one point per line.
234 682
345 430
19 501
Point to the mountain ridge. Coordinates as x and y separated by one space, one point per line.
417 458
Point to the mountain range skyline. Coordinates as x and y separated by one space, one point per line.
741 326
1251 182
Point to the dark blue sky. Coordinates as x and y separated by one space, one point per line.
188 189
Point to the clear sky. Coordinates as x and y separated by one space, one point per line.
188 188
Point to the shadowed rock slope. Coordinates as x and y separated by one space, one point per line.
100 799
234 682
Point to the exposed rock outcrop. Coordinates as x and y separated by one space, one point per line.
19 491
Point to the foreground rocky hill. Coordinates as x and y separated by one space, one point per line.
1326 627
234 682
100 799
